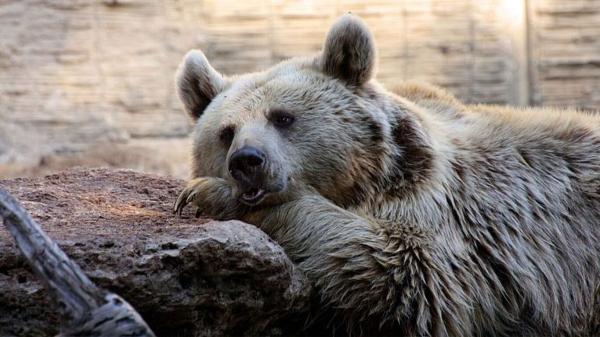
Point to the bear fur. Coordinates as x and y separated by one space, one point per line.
413 213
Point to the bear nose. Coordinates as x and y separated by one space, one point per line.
245 162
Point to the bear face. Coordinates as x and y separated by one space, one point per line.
269 130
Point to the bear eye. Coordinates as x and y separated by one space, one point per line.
282 119
226 134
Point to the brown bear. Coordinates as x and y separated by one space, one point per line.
413 213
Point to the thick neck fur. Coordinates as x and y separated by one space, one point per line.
403 153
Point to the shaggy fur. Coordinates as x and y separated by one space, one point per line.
413 213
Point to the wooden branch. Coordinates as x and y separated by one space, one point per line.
86 309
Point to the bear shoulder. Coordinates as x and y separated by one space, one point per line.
431 97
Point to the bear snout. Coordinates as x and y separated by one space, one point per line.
246 166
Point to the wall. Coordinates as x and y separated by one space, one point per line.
565 53
89 82
459 44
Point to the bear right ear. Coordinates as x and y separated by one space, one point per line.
349 51
197 83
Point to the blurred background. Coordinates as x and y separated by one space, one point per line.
90 82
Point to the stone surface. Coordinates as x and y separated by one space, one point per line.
186 276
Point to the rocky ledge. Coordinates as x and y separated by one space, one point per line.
185 276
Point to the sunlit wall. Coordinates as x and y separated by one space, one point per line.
90 81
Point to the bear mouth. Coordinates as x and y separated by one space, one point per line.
253 196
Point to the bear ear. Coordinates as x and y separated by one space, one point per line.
349 51
197 83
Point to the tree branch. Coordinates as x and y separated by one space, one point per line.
86 309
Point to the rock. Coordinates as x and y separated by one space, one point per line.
185 276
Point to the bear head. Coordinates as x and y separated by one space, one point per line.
306 122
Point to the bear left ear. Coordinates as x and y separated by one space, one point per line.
349 51
197 83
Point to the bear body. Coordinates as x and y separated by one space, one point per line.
412 213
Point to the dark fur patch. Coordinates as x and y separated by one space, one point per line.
414 161
373 128
367 159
